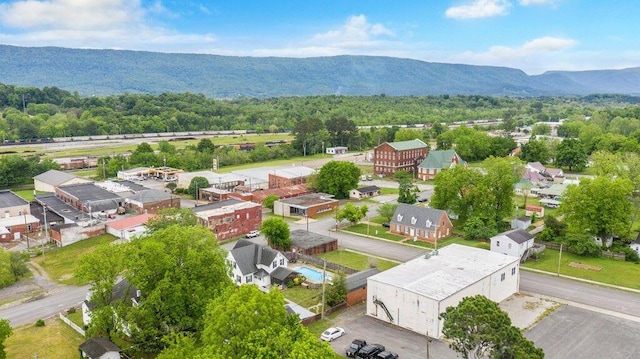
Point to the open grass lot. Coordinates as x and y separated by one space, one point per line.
53 341
60 263
386 190
614 272
303 296
361 228
356 260
273 163
25 193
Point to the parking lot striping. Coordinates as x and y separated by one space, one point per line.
372 256
586 307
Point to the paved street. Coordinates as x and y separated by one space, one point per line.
59 300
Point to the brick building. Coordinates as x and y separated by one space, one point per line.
89 198
151 201
309 205
390 157
420 223
230 218
311 243
291 176
284 192
15 218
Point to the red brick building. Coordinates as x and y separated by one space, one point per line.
357 286
390 157
230 218
286 177
151 201
309 205
284 192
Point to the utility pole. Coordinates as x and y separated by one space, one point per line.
46 229
559 259
324 281
104 169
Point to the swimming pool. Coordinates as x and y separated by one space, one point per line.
312 274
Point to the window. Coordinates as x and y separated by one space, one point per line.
428 223
248 278
513 271
509 245
413 220
497 243
274 264
281 261
238 279
502 276
399 218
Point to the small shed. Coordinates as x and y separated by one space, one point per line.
514 243
521 223
311 244
99 348
357 286
531 210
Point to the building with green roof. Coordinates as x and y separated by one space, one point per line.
436 161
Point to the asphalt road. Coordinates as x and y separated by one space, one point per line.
58 301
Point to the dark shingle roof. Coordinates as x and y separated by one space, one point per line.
368 189
121 290
418 217
303 239
215 205
518 235
248 254
97 346
10 199
358 280
281 273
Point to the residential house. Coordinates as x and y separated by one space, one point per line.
530 210
340 150
364 192
230 218
551 174
309 205
437 161
263 266
390 157
635 245
48 181
311 243
99 348
121 292
420 223
514 243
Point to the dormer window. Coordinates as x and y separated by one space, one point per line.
399 218
413 220
428 224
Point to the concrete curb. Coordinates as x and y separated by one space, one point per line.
582 280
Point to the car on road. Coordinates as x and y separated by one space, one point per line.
332 333
355 346
370 351
387 355
252 234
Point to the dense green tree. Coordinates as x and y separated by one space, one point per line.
309 135
205 145
171 216
407 191
478 328
386 210
5 332
535 151
475 228
407 134
341 130
352 213
277 233
599 207
571 153
336 292
541 129
197 183
337 178
269 201
460 191
501 175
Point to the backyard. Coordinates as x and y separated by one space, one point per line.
55 340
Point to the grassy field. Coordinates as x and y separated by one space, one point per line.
611 271
303 296
356 260
60 263
361 228
385 190
53 341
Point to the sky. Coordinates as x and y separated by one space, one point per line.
532 35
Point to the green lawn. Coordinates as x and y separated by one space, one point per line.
614 272
60 263
386 190
303 296
53 341
356 260
374 231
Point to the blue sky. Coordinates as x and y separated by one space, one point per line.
532 35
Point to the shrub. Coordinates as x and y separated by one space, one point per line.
40 323
71 310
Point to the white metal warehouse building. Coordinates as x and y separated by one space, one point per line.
413 294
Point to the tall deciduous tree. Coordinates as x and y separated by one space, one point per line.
197 183
499 180
269 201
337 178
535 151
337 291
407 191
387 210
478 328
172 216
571 153
352 213
459 190
277 233
5 332
341 130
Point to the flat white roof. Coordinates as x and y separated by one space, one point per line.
226 209
440 276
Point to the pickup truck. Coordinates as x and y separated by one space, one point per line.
355 346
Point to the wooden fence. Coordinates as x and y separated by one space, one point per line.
318 262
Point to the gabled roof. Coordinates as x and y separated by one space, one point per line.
10 199
407 145
248 255
368 189
517 235
440 159
55 177
121 290
98 346
537 166
637 239
418 217
281 273
358 280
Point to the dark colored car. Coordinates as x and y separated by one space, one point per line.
370 351
355 346
386 355
386 224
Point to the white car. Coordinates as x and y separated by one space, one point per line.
252 234
332 333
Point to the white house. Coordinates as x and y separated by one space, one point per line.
122 291
263 266
99 348
635 245
513 243
340 150
414 294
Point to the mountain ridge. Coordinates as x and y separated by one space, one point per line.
108 72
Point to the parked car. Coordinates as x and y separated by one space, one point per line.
252 234
386 225
332 334
370 351
355 346
387 355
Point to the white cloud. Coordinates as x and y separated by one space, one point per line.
538 2
356 29
479 9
